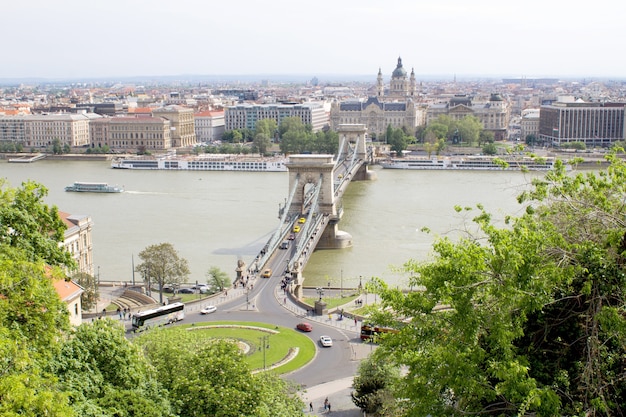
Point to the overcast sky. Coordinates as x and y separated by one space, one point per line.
115 38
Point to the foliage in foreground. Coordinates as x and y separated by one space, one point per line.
49 369
524 320
374 386
212 379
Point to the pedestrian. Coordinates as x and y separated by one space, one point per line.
326 404
329 407
311 406
355 321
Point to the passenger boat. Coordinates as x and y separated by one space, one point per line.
207 162
93 187
473 163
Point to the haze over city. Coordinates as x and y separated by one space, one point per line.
74 39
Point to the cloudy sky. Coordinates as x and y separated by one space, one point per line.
118 38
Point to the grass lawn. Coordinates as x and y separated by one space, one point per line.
277 345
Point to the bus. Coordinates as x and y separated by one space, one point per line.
370 332
159 316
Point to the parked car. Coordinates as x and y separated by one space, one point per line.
186 291
326 341
304 327
208 310
199 286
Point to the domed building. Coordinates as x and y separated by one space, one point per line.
392 106
400 86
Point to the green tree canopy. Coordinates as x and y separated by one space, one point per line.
105 374
218 279
212 379
374 386
525 319
27 223
161 265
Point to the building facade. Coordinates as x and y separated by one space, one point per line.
245 116
394 105
182 124
209 126
594 124
376 115
529 123
77 241
131 133
42 130
494 114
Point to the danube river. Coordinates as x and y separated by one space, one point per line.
216 218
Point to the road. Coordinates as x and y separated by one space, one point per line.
266 303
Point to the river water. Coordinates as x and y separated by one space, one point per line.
216 218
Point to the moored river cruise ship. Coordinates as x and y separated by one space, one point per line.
208 162
473 163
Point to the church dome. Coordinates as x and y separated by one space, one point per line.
399 71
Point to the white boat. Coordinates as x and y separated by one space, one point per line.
93 187
204 163
473 163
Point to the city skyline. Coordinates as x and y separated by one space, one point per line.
69 39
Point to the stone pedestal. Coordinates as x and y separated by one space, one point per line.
320 308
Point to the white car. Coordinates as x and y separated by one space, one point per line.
326 341
208 310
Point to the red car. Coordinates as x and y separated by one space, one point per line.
305 327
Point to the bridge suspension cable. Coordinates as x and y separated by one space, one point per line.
279 233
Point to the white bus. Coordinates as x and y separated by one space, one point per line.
159 316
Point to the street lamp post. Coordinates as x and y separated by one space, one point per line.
97 291
320 292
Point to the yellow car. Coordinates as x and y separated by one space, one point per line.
296 229
267 273
301 220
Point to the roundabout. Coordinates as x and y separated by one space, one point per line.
264 346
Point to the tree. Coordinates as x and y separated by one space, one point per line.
89 297
107 375
56 146
218 279
210 378
29 224
162 265
469 129
525 319
373 386
32 322
397 141
261 142
490 149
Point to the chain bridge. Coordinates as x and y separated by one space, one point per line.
310 215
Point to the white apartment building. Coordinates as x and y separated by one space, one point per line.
209 125
245 116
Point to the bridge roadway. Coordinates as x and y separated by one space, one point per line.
289 262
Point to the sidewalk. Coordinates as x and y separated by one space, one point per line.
338 394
